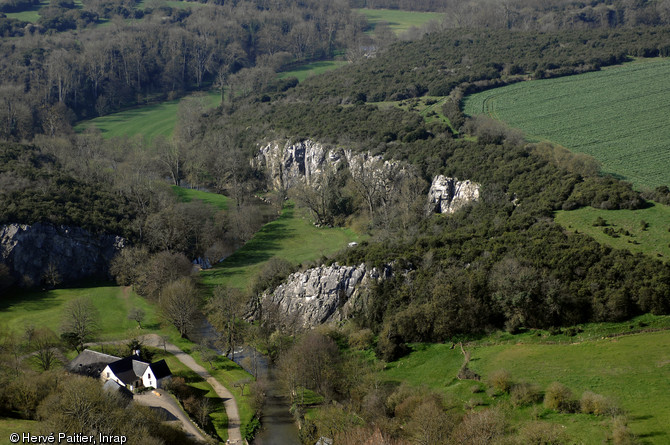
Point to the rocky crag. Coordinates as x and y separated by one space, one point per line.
287 164
323 294
447 195
42 253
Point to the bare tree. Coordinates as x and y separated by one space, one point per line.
81 320
179 304
138 315
225 310
46 343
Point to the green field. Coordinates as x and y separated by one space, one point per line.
653 241
634 370
45 308
148 121
399 21
219 202
617 115
292 236
302 72
430 107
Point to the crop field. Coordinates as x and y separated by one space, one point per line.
633 370
618 115
148 121
399 21
292 236
645 230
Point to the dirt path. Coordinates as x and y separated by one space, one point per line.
234 433
170 405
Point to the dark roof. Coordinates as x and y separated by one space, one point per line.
124 369
129 369
111 385
160 369
91 363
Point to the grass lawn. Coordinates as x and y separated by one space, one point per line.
220 202
148 121
596 113
399 21
633 369
302 72
653 241
45 309
9 426
292 236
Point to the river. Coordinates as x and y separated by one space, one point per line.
278 426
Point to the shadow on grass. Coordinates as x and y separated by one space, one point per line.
263 246
39 300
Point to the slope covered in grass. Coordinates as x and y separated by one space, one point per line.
644 230
219 202
631 369
45 309
617 115
399 21
292 236
148 121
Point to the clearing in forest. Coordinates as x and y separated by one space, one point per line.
644 230
617 115
148 121
399 21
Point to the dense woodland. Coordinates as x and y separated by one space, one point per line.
501 263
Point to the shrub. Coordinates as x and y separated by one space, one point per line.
559 397
621 433
592 403
541 433
362 339
500 380
523 394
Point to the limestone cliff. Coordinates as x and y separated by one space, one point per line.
447 195
322 294
72 253
290 163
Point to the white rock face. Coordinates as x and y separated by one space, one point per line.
290 163
322 294
447 195
76 253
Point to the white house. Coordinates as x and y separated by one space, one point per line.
133 373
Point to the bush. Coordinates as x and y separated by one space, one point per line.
541 433
592 403
621 433
362 339
500 380
523 394
559 398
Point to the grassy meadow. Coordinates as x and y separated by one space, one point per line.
306 70
617 115
292 236
148 121
652 240
219 202
633 370
399 21
45 309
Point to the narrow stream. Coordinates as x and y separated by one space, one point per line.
278 426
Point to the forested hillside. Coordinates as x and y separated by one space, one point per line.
497 266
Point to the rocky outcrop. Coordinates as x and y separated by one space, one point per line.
64 254
322 294
447 195
290 163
